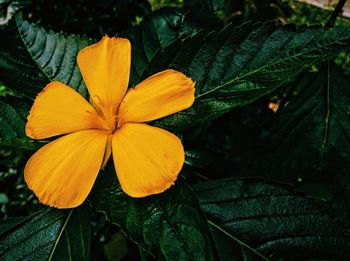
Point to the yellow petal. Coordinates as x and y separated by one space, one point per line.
57 110
160 95
105 67
147 159
61 173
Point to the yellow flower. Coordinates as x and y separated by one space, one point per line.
147 159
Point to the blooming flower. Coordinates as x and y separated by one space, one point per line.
147 159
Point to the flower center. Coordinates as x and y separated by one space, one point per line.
107 114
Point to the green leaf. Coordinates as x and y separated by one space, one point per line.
12 122
34 238
13 113
116 248
273 219
316 124
49 234
242 64
8 223
197 158
3 198
31 57
156 32
231 68
210 6
169 225
74 242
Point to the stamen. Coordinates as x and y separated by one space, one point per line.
107 113
98 98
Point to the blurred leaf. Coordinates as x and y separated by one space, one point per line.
169 225
206 5
316 124
3 198
85 17
8 223
276 221
9 7
329 5
197 158
51 233
31 57
227 145
117 248
242 64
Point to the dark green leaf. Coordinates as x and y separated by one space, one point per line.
49 234
31 57
74 243
316 124
8 223
231 68
276 221
241 64
13 113
197 158
206 5
155 33
169 225
116 248
12 122
92 18
34 238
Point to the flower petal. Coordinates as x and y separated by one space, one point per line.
62 173
57 110
105 67
160 95
147 159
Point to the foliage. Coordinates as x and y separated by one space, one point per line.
271 102
272 218
170 225
48 234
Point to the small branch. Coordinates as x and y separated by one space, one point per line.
337 10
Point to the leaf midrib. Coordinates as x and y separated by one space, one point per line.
257 70
326 121
178 235
60 234
220 229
